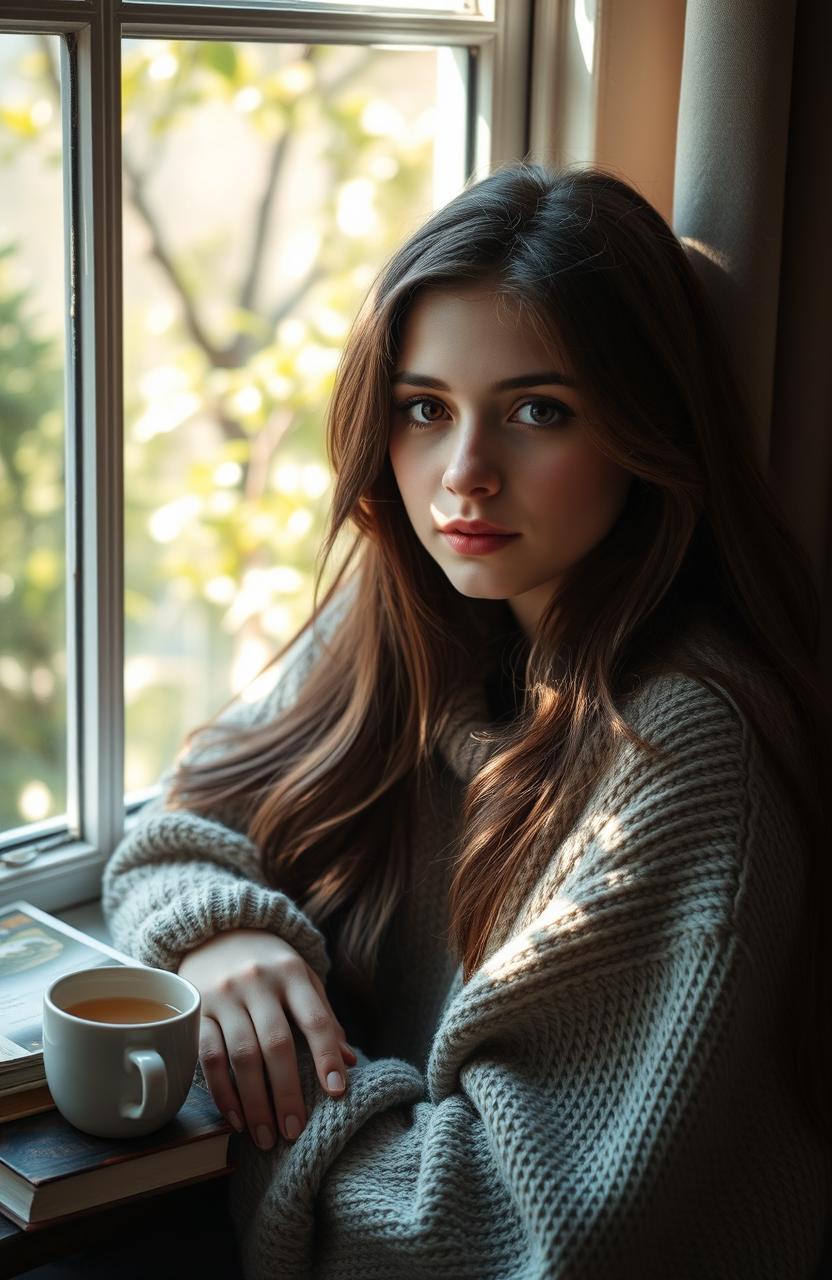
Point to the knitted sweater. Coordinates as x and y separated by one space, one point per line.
607 1097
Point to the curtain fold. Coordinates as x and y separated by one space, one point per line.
801 425
753 203
731 147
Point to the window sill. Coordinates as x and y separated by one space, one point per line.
89 918
57 879
62 878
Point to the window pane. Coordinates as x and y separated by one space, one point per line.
32 507
473 7
469 8
264 186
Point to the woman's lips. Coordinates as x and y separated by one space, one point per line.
478 544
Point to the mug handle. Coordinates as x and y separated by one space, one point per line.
154 1084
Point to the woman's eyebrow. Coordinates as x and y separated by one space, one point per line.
548 378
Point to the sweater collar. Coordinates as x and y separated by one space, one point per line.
467 739
471 735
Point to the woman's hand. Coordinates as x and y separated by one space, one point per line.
248 979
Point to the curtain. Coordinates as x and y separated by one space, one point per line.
753 202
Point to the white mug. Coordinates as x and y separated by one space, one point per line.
120 1079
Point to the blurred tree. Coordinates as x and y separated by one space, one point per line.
226 478
32 700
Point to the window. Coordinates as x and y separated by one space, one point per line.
194 199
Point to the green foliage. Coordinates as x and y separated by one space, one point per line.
226 481
221 58
32 613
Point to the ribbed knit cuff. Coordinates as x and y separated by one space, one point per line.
184 904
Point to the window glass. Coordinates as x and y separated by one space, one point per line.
264 185
32 503
469 8
472 7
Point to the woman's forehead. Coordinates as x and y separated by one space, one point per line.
443 324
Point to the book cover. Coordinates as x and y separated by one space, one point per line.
49 1168
35 949
47 1147
26 1101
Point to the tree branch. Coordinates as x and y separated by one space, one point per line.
263 448
246 296
347 74
241 348
262 221
287 304
158 249
230 428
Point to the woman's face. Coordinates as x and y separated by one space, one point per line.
486 427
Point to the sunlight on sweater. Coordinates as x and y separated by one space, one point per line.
561 915
607 831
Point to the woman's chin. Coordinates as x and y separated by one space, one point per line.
467 585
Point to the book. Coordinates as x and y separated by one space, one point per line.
35 948
25 1102
49 1170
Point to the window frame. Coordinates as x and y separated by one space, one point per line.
60 861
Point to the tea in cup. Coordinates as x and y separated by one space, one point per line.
120 1047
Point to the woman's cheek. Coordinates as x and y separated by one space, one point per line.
579 495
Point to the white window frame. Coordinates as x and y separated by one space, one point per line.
70 853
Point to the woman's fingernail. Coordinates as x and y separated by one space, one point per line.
335 1081
236 1121
292 1126
264 1137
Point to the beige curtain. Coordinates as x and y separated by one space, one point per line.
753 198
720 112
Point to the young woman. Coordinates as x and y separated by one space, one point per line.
534 815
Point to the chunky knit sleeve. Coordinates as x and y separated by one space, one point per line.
178 877
599 1092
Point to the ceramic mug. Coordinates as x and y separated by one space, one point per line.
120 1047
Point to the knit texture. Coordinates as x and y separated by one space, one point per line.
609 1095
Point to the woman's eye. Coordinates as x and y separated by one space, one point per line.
544 413
422 411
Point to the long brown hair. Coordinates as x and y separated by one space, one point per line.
701 537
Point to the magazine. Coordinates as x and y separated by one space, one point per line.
35 949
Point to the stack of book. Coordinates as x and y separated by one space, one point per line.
50 1170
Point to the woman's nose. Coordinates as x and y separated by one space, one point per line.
471 467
